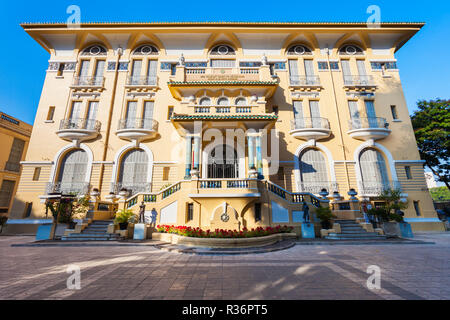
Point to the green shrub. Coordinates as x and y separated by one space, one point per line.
124 215
324 214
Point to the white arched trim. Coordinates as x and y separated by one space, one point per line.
123 151
230 142
63 151
322 148
380 148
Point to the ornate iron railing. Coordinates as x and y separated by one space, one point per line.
80 124
367 123
88 81
141 81
138 123
308 123
315 187
375 188
78 188
132 188
359 81
304 80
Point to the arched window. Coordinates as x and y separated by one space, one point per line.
145 50
299 50
223 162
205 101
95 50
133 171
222 101
350 50
222 50
313 171
373 169
241 102
72 172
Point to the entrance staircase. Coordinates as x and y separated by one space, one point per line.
351 230
96 231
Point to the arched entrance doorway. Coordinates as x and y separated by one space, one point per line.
223 163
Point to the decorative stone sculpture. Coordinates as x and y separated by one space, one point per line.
142 212
181 60
264 60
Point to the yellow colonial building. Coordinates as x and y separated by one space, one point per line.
223 124
14 138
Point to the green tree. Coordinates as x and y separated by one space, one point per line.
431 126
440 194
392 205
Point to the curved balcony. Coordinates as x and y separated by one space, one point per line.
141 81
359 82
137 129
376 188
304 81
368 128
88 82
310 128
315 187
78 129
78 188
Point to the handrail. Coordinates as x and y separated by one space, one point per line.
308 123
138 123
88 81
304 80
80 124
367 123
141 81
364 80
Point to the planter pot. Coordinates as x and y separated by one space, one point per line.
325 225
123 225
391 229
72 225
60 229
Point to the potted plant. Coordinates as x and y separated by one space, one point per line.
122 218
325 216
389 213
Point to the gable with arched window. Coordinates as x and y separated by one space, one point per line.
220 55
92 66
144 66
299 50
351 50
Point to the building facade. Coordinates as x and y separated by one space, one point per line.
14 139
207 122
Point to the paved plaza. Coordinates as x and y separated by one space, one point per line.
136 271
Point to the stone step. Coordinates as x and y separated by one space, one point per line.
88 239
86 235
355 236
362 239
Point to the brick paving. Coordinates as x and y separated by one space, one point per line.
302 272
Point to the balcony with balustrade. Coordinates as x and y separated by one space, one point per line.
315 187
304 82
78 129
310 128
376 188
141 83
362 83
137 129
74 188
368 128
88 82
222 74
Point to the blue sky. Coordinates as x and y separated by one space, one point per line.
423 61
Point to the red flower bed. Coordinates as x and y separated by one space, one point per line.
220 233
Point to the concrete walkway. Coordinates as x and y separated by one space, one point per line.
316 271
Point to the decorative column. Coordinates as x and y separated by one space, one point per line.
188 157
251 155
258 156
196 155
